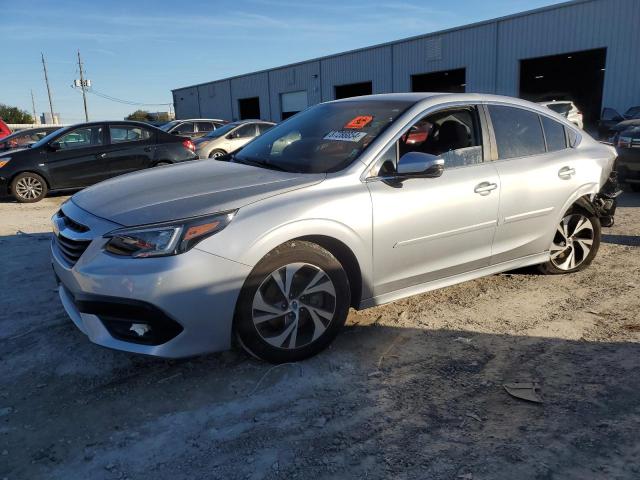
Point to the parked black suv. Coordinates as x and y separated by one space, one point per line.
81 155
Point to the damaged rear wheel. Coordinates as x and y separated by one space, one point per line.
575 243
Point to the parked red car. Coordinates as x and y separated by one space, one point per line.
4 129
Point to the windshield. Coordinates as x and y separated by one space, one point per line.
220 131
324 138
44 140
168 125
633 112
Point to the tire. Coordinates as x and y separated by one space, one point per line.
162 164
217 153
575 243
305 296
28 187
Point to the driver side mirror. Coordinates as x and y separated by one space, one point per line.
420 165
54 146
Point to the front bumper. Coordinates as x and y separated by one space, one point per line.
195 293
628 165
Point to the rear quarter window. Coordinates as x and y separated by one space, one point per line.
554 134
518 132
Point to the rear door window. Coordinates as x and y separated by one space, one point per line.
123 134
518 132
246 131
205 126
554 134
263 127
184 128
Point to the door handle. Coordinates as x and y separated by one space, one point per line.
485 188
566 173
101 155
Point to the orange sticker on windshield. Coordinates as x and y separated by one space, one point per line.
359 122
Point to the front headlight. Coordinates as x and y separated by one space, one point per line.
4 161
624 142
167 238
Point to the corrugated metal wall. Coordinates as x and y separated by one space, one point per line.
247 86
215 100
470 48
490 52
305 76
371 65
614 24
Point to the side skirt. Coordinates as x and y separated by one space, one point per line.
462 277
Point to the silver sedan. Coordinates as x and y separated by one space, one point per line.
351 203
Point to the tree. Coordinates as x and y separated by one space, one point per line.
140 116
14 114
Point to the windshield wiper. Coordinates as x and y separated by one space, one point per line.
258 163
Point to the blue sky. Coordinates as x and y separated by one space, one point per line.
140 50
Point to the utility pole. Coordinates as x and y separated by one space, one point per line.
46 79
33 106
82 85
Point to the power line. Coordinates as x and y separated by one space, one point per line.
120 100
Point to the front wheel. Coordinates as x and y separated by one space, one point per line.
217 153
575 243
28 187
293 304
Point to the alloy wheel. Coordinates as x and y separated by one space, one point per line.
572 242
294 306
29 188
216 155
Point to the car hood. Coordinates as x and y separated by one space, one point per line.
626 124
186 190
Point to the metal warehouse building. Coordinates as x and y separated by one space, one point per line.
585 50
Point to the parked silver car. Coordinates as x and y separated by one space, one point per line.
230 137
331 209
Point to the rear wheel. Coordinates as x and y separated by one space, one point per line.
293 304
28 187
217 153
575 243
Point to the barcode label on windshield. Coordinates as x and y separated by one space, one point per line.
345 136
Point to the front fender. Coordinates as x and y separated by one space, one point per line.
359 246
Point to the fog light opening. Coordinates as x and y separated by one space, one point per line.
140 329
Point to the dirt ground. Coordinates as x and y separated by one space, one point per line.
413 389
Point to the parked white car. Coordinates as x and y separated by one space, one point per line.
230 137
567 109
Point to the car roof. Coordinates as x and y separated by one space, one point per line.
34 129
197 120
428 97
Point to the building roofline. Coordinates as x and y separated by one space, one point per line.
481 23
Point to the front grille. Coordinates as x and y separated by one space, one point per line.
71 250
65 227
72 224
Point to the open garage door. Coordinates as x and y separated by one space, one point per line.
249 108
575 76
450 81
353 90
